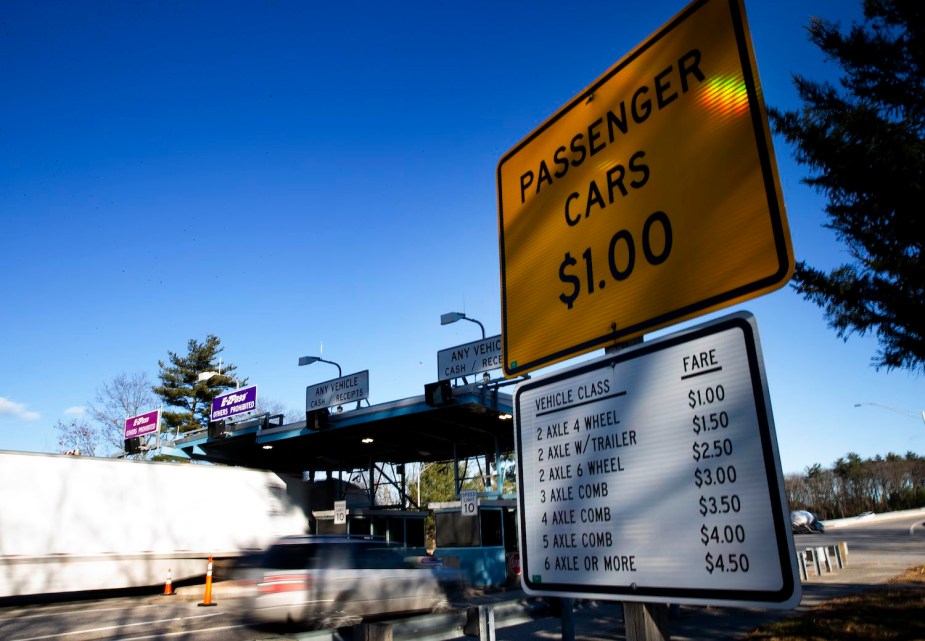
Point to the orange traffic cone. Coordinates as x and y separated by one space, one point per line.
168 586
207 597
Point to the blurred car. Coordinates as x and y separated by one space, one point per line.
320 581
804 522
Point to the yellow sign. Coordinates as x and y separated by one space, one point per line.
651 198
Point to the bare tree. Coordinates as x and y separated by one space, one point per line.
126 395
76 436
272 407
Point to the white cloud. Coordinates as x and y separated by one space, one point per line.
77 410
16 410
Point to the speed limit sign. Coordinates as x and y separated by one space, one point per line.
340 512
469 499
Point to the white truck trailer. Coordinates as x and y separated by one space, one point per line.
74 523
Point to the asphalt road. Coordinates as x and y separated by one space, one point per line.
148 617
878 548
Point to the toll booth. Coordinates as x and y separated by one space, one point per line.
485 544
372 445
405 528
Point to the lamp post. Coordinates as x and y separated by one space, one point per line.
308 360
204 376
898 410
452 317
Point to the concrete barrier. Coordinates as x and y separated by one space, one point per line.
833 524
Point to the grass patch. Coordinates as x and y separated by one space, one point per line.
894 612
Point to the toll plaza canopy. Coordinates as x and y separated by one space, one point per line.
446 423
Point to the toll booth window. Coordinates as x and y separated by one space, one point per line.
415 533
380 527
456 531
328 526
360 527
396 530
510 529
492 533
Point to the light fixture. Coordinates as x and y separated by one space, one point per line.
268 447
898 410
367 440
439 393
308 360
452 317
505 417
204 376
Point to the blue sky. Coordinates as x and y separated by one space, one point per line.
298 176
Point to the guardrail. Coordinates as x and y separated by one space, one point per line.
822 559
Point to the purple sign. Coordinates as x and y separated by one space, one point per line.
234 404
142 424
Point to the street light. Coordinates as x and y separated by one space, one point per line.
452 317
204 376
898 410
308 360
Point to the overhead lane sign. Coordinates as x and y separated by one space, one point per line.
478 356
652 197
353 387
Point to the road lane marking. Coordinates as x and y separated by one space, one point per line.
114 627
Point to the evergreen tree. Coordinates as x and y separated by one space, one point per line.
855 485
181 388
865 148
436 483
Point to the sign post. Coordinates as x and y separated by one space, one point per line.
653 476
651 198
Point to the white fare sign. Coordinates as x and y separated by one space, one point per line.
653 475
